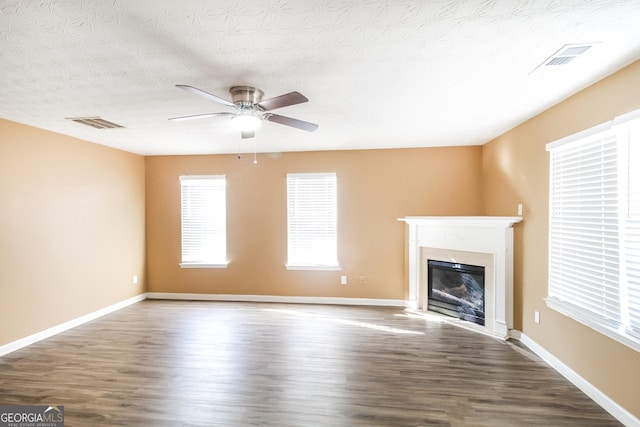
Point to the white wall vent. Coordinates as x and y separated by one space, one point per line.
95 122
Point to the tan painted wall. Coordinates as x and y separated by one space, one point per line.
71 228
515 170
375 187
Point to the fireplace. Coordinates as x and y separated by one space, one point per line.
475 241
456 290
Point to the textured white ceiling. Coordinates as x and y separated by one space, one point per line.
378 73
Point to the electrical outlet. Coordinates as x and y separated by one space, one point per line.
536 316
135 279
343 280
519 209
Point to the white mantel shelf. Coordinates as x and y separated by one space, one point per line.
474 221
476 240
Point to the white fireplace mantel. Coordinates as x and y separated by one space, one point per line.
477 240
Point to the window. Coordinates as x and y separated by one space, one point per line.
204 221
594 228
312 218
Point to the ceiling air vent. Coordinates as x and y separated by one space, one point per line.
565 55
95 122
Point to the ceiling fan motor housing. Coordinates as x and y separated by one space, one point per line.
245 95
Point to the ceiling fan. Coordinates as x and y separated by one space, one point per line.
251 109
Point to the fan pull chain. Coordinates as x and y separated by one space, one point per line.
255 155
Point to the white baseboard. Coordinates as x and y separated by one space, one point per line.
274 298
39 336
608 404
516 335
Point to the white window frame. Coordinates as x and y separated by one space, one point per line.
203 221
312 216
604 292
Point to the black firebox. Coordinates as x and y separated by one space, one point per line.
456 290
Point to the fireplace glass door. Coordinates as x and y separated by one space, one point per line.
456 290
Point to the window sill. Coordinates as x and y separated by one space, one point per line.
612 331
314 267
193 265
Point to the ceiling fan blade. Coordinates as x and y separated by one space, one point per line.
288 121
285 100
200 116
207 95
247 134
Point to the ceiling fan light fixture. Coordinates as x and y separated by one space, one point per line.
246 122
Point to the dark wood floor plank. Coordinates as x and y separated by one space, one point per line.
167 363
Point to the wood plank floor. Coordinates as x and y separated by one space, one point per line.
179 363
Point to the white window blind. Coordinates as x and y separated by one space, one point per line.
583 241
204 221
594 233
631 225
312 220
